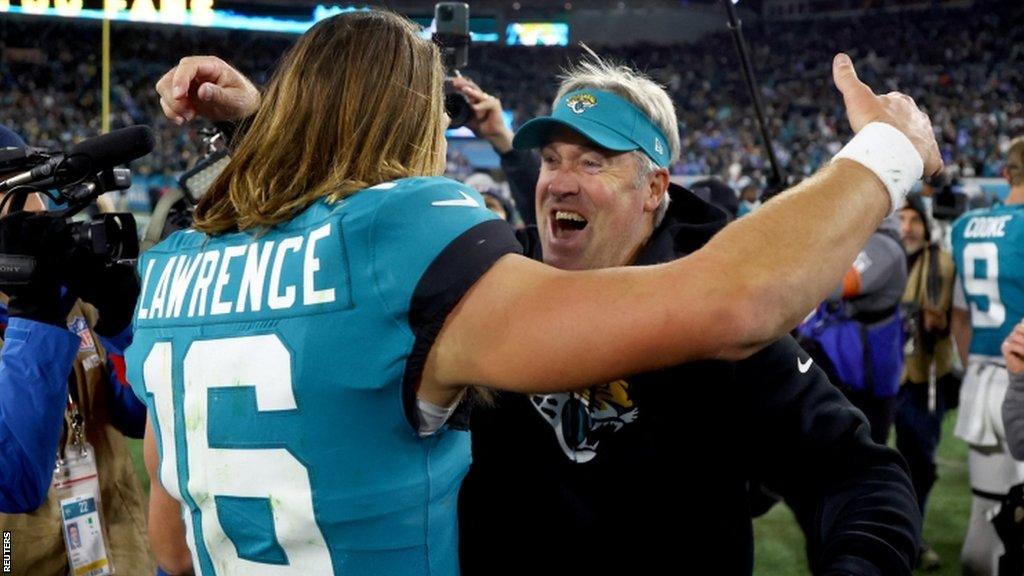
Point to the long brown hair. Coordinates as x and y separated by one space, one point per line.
356 102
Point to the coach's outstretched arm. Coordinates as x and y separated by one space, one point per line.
526 326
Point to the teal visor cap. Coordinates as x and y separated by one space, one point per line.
605 119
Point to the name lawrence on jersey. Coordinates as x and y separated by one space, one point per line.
198 284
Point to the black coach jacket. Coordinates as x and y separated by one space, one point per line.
650 474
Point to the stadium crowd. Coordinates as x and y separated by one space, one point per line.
964 67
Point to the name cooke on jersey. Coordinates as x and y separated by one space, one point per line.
987 227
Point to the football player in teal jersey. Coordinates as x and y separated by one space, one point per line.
303 349
988 247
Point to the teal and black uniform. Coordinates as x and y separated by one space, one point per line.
988 247
281 371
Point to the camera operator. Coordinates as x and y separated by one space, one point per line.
64 401
928 372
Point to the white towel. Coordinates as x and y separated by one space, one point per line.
980 420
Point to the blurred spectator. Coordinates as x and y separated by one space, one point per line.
928 354
481 182
497 201
856 335
497 204
750 196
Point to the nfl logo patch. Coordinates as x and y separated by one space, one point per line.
80 327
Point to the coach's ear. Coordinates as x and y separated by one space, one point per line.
657 187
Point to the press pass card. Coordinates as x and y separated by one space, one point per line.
84 536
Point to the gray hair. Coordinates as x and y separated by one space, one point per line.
645 167
639 90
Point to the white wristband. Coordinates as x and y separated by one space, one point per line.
888 153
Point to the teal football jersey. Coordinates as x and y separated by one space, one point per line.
988 247
280 369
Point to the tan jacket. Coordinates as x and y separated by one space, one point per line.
37 537
917 364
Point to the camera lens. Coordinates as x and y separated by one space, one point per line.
445 13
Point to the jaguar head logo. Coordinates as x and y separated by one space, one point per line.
580 102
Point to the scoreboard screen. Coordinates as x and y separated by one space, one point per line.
537 34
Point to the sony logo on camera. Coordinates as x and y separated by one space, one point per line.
15 270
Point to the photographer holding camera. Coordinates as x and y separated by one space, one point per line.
65 407
928 375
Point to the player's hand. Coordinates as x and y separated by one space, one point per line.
1013 349
863 106
487 121
209 87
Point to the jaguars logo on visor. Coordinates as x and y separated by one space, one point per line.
580 102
